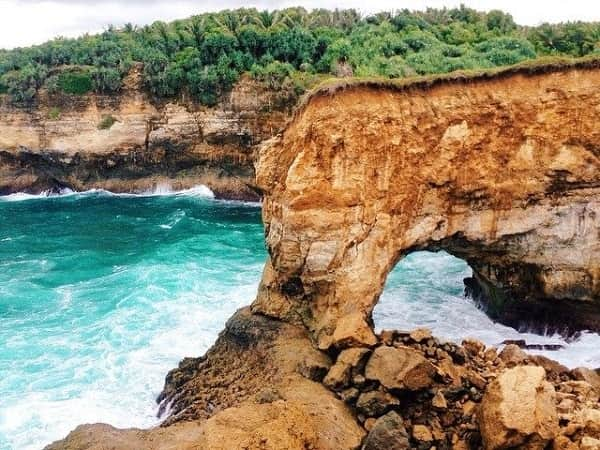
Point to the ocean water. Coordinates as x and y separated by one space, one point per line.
101 295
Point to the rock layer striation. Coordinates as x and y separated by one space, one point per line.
130 142
503 172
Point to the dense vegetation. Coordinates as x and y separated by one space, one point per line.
204 55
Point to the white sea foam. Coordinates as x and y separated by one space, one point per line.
157 191
423 292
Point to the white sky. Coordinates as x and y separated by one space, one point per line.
28 22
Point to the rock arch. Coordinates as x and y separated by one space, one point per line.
502 171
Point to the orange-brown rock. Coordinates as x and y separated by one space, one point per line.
502 171
245 393
518 410
58 142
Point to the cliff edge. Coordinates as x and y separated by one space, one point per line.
130 142
502 171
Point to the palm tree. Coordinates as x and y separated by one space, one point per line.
196 27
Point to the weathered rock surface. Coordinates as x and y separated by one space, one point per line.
388 433
245 393
500 171
57 142
400 368
503 172
518 410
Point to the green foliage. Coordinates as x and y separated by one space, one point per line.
204 55
106 80
54 113
22 85
106 122
273 74
76 82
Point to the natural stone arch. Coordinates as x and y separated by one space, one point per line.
501 171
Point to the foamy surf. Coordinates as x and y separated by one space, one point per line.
161 190
100 299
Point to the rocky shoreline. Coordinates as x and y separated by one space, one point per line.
62 141
263 385
501 170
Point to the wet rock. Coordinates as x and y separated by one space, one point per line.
376 403
388 433
400 368
518 410
552 368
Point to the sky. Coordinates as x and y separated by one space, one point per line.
28 22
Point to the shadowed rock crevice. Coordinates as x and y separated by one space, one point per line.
501 173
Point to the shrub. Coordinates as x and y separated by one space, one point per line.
76 83
106 122
54 113
106 80
273 74
22 85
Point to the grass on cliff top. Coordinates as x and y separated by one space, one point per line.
542 65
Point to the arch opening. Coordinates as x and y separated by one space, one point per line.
367 175
427 289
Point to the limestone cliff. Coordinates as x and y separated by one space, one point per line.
501 171
60 141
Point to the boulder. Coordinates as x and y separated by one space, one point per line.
338 377
439 401
388 433
512 355
420 334
421 433
400 368
589 443
473 346
589 375
518 410
375 403
354 357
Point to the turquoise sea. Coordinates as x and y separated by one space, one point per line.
102 294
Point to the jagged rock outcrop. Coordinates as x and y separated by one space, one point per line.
502 171
59 141
250 391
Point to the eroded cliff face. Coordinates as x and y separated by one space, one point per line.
57 142
503 172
